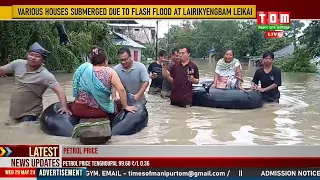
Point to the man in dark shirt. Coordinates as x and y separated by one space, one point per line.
166 84
155 73
269 77
183 74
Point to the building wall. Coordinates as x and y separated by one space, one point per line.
132 49
142 34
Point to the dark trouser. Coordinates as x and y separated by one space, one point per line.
154 90
165 94
270 100
28 118
180 103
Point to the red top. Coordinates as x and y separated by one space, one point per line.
181 87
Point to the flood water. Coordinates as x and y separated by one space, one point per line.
295 121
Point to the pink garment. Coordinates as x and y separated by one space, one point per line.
222 82
104 75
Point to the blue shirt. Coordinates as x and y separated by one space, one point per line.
133 79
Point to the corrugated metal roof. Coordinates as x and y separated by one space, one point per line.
288 50
125 41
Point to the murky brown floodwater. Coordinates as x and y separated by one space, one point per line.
295 121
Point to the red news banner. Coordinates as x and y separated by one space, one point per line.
26 157
177 162
22 160
34 156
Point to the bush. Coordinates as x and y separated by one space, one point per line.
298 62
17 36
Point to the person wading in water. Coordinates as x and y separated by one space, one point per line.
183 74
166 84
269 77
31 81
133 75
155 73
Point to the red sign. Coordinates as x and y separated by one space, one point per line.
274 34
273 17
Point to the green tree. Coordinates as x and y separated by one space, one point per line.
296 27
17 36
201 36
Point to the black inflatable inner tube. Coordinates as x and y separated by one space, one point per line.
125 123
205 96
54 123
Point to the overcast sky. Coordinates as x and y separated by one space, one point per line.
164 24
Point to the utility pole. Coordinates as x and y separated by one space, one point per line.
157 28
168 34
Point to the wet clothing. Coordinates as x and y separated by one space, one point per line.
267 79
29 87
29 118
133 79
181 93
165 94
94 86
227 74
154 90
156 68
86 104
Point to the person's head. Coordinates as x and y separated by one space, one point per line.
36 55
98 56
184 53
175 55
125 57
228 55
163 55
267 58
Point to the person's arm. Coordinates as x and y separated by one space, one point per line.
216 74
277 81
61 96
168 73
170 79
118 87
144 77
114 93
53 84
150 70
255 80
215 79
9 68
195 75
239 76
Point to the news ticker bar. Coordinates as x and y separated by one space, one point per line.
217 172
161 162
162 151
159 172
129 11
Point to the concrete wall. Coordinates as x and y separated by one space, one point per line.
143 34
132 49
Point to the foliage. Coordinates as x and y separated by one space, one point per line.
243 38
298 62
240 36
309 48
311 38
296 27
17 36
148 52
